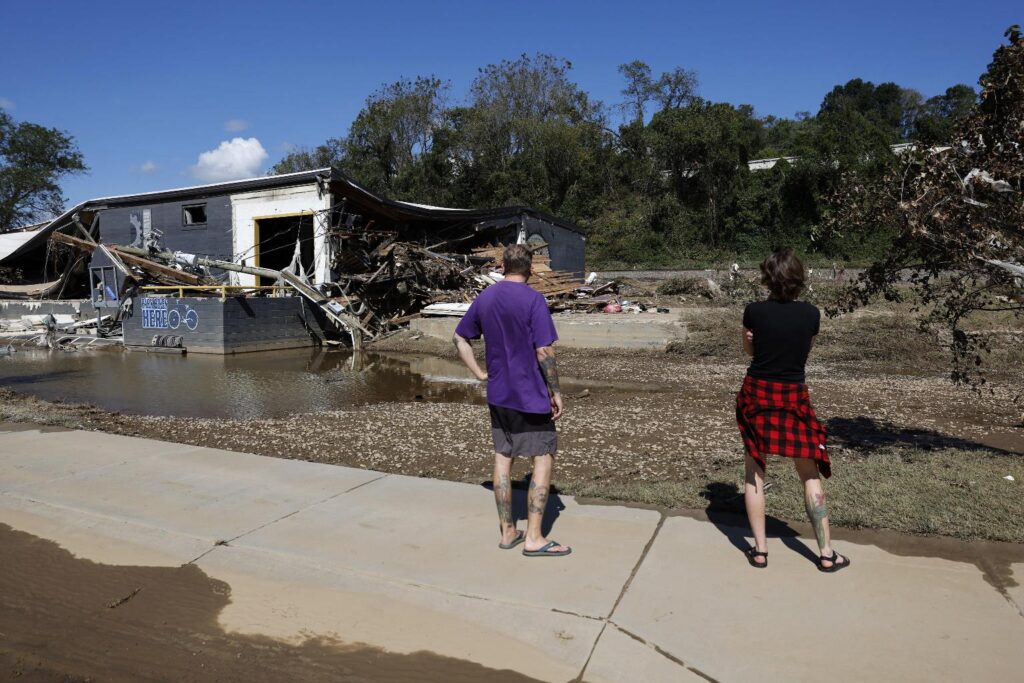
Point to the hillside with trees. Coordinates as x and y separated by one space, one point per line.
658 179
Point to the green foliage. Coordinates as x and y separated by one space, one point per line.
954 213
33 160
669 185
938 116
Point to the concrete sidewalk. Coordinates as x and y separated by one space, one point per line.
411 564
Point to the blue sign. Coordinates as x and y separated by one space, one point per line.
154 314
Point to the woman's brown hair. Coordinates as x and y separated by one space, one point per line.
783 274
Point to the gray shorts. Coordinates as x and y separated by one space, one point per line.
520 434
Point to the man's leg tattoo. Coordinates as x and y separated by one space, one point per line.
537 501
503 499
817 512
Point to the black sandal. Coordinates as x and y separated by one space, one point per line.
836 565
752 553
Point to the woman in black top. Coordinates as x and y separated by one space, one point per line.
773 408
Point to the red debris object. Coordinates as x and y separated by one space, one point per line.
613 308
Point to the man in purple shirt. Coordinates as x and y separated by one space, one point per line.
522 392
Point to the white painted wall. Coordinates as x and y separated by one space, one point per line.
246 207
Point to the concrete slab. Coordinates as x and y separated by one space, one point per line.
589 331
33 456
98 538
202 492
289 598
619 657
886 618
444 534
621 331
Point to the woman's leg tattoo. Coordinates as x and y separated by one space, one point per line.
817 512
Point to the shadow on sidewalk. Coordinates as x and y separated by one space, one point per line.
519 490
725 510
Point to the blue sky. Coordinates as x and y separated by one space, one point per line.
147 87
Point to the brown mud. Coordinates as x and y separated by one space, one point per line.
71 620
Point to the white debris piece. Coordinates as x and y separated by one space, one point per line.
452 309
985 177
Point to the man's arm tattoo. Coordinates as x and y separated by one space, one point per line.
550 371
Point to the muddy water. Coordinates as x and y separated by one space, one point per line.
255 385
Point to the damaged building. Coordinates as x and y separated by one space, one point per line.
275 261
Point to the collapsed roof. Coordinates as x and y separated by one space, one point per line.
30 242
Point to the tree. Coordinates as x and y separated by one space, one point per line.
676 88
331 153
394 130
939 115
674 189
639 88
530 135
957 213
33 160
705 148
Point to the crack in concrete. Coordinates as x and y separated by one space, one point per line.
229 541
46 482
636 568
593 649
576 614
94 468
99 515
667 655
625 587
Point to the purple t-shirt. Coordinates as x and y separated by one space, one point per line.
515 322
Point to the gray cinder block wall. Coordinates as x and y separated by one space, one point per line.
13 309
210 325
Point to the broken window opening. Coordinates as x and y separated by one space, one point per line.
194 215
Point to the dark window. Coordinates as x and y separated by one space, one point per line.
193 215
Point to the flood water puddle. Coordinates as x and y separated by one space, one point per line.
272 384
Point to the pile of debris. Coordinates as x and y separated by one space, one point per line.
385 283
379 283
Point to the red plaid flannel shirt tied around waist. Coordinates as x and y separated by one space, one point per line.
777 418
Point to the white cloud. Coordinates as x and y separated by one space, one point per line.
233 159
6 104
235 125
148 167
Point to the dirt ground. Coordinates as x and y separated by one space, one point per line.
911 452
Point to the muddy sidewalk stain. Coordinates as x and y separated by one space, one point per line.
57 624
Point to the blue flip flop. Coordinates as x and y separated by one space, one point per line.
520 537
543 552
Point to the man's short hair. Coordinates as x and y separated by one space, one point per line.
517 260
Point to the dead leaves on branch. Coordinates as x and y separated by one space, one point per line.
958 211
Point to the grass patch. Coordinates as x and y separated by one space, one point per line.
952 492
